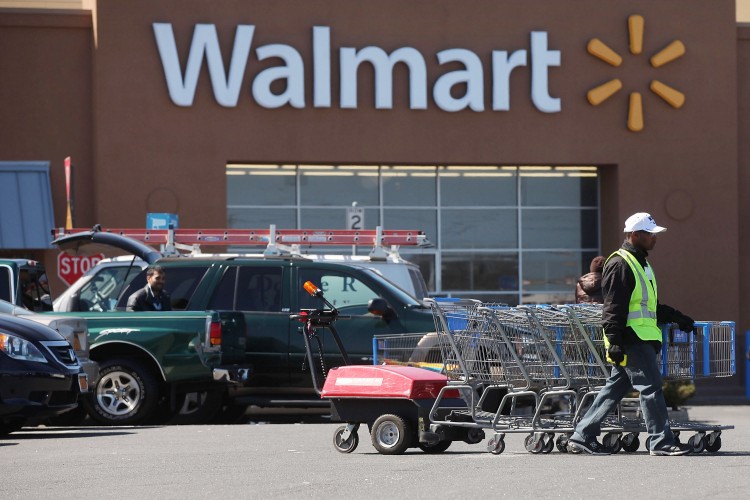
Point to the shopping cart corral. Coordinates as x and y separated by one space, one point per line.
536 370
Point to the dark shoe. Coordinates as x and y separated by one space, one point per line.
673 450
591 445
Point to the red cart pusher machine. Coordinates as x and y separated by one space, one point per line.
394 401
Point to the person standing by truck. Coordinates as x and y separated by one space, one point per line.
152 297
632 338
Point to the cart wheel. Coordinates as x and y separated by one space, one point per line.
562 443
433 449
612 440
715 446
549 444
630 442
496 445
648 443
529 444
391 435
697 443
348 445
676 435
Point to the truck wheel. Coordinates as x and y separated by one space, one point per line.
391 435
125 394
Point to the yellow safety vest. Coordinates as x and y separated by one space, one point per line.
642 307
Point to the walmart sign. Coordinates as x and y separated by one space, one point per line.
226 82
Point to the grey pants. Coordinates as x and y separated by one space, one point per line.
642 374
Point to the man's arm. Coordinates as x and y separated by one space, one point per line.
134 304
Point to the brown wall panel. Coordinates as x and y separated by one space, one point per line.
681 167
46 104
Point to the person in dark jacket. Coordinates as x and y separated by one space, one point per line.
589 286
630 316
152 297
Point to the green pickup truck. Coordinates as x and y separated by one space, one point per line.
150 362
266 289
150 365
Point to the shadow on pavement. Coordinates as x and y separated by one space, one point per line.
63 433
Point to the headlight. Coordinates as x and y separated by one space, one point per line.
19 348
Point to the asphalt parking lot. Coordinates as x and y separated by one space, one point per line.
299 461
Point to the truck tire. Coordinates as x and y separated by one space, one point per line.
126 393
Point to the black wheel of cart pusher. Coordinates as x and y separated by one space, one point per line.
345 445
433 449
391 435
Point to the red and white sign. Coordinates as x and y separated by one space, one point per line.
72 267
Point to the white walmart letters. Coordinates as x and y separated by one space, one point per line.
226 87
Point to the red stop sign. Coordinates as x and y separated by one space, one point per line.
72 267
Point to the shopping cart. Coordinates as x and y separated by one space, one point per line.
497 356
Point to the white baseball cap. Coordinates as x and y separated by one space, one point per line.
642 222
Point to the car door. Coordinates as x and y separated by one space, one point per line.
350 292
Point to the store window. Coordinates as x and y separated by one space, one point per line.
501 233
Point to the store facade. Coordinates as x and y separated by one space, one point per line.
517 135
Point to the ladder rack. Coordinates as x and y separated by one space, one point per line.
271 237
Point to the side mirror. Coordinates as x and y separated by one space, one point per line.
379 307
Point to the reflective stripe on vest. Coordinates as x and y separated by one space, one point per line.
642 307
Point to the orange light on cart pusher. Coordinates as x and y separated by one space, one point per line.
311 288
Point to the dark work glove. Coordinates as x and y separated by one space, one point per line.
615 354
686 323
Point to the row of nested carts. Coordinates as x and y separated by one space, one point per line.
536 370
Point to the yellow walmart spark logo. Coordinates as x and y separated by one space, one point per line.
600 50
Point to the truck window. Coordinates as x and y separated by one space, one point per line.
5 283
420 287
223 297
341 289
259 289
181 283
100 294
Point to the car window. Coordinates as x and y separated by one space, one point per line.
101 292
181 283
223 297
340 288
259 289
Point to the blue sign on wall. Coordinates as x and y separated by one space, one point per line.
162 221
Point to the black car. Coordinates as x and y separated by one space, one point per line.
39 373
